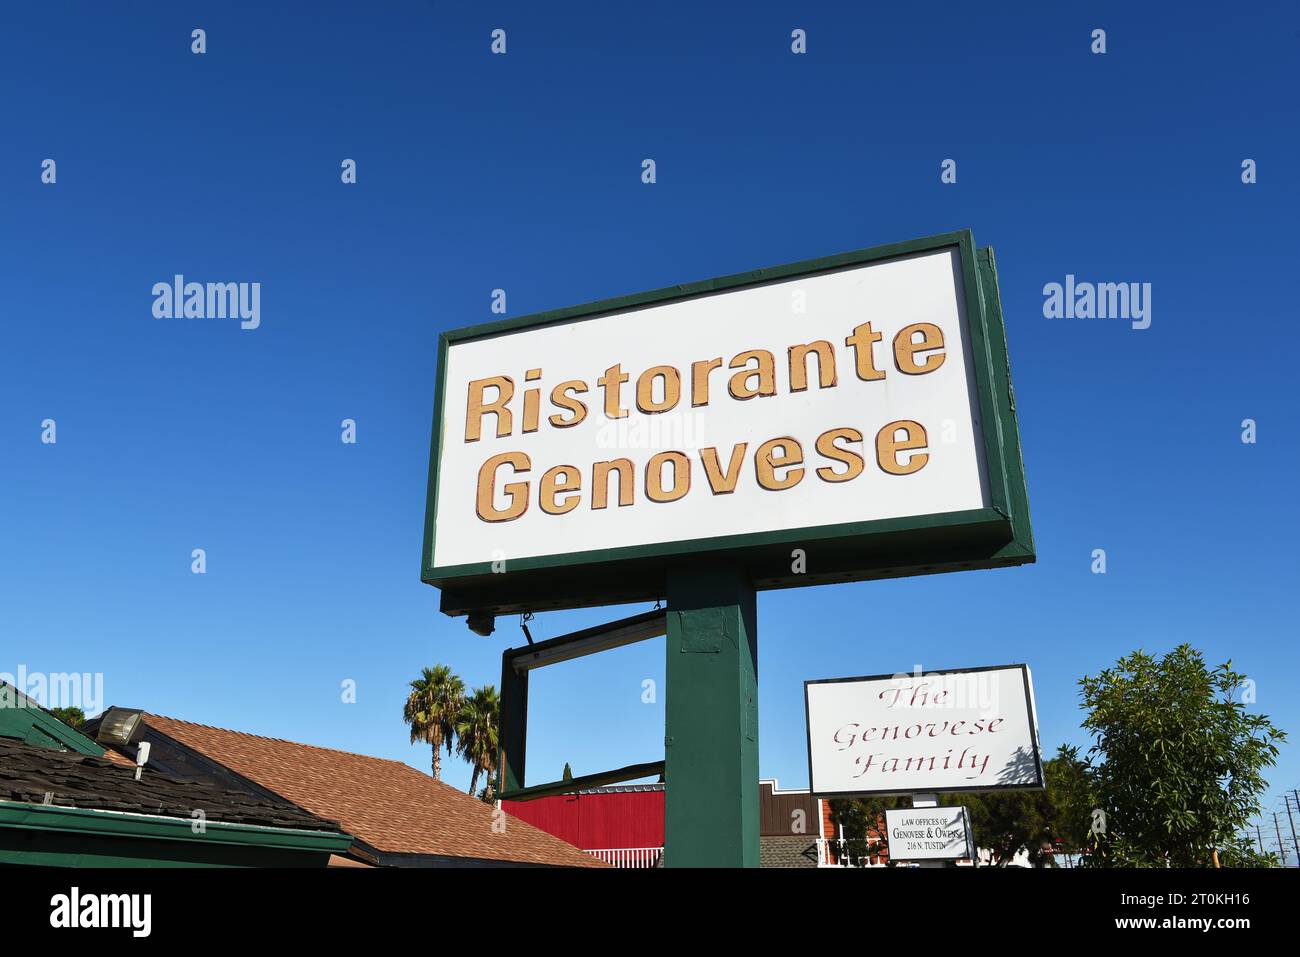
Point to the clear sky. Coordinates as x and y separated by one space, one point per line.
478 171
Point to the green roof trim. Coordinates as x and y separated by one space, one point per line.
24 719
91 821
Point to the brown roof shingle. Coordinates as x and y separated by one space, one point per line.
387 804
28 773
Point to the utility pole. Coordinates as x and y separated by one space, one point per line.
1281 848
1291 821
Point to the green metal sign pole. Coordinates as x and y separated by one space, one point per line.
711 734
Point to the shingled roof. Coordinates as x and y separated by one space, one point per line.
29 773
388 805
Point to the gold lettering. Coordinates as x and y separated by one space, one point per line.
767 461
517 492
562 478
863 341
723 483
764 372
826 446
700 380
905 349
654 477
600 482
562 400
825 354
888 445
614 376
645 389
476 408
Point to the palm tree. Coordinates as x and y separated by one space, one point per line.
431 708
477 736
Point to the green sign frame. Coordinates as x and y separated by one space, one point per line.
998 535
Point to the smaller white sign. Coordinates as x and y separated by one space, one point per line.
929 834
925 732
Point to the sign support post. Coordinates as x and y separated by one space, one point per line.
533 505
927 800
711 705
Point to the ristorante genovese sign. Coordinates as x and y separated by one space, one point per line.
504 491
821 402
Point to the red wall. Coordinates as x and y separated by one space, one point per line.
596 821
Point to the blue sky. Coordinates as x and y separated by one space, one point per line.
523 172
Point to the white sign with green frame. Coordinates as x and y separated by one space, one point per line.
843 418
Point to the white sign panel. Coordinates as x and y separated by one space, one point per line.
929 834
825 399
970 730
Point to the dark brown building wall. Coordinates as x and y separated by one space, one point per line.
777 813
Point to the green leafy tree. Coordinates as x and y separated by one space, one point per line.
431 710
1038 822
478 736
1003 823
1067 781
568 772
1243 852
860 822
1007 822
1177 762
72 717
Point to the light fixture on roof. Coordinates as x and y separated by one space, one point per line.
118 726
141 758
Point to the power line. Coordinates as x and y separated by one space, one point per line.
1291 820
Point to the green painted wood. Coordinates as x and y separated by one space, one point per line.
56 849
435 446
87 822
977 539
1005 400
586 781
513 742
589 641
711 700
515 668
24 719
